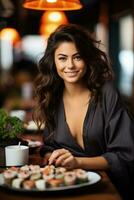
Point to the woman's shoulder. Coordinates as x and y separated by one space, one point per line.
110 84
110 93
109 88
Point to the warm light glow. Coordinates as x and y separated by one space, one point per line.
48 29
52 4
55 16
51 20
10 34
51 1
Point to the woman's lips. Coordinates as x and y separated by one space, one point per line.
72 73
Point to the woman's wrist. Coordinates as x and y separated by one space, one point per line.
78 162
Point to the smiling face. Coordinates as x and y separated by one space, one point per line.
69 64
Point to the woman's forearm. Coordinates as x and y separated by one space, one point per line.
92 163
62 157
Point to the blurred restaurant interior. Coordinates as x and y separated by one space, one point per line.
23 38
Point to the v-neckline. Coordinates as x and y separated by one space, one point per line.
83 128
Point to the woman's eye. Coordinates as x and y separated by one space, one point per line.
62 58
77 58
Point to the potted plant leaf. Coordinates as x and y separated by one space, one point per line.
11 129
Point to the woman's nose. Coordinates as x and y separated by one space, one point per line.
70 63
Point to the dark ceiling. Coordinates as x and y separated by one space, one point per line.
26 21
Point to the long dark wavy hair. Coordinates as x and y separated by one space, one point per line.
49 86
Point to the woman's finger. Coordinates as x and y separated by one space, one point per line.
63 157
69 162
56 154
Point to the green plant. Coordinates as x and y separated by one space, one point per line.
10 127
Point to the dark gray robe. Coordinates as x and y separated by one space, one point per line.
108 131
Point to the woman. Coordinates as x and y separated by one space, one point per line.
87 125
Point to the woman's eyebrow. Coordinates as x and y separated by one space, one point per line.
61 54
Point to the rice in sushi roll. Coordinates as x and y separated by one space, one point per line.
35 176
60 170
16 183
34 168
24 168
40 184
9 175
70 178
24 174
81 175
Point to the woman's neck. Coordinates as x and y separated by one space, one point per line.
75 90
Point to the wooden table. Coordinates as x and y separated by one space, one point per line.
103 190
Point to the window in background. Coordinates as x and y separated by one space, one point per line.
126 54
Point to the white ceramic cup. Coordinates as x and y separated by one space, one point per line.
16 155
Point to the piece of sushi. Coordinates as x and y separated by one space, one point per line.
28 184
81 175
70 178
34 168
16 183
47 177
40 184
48 170
24 174
60 170
35 176
59 176
13 168
9 175
24 168
52 183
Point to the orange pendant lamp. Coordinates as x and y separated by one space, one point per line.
52 4
10 34
50 20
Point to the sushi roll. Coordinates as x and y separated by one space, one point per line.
70 178
59 176
60 170
40 184
34 168
15 169
28 184
47 177
81 175
24 174
24 168
9 175
52 183
16 183
35 176
48 170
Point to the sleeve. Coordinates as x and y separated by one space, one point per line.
119 137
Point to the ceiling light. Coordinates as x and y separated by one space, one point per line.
52 4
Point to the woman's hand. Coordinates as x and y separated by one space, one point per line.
63 157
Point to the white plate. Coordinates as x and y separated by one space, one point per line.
34 143
31 126
93 178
